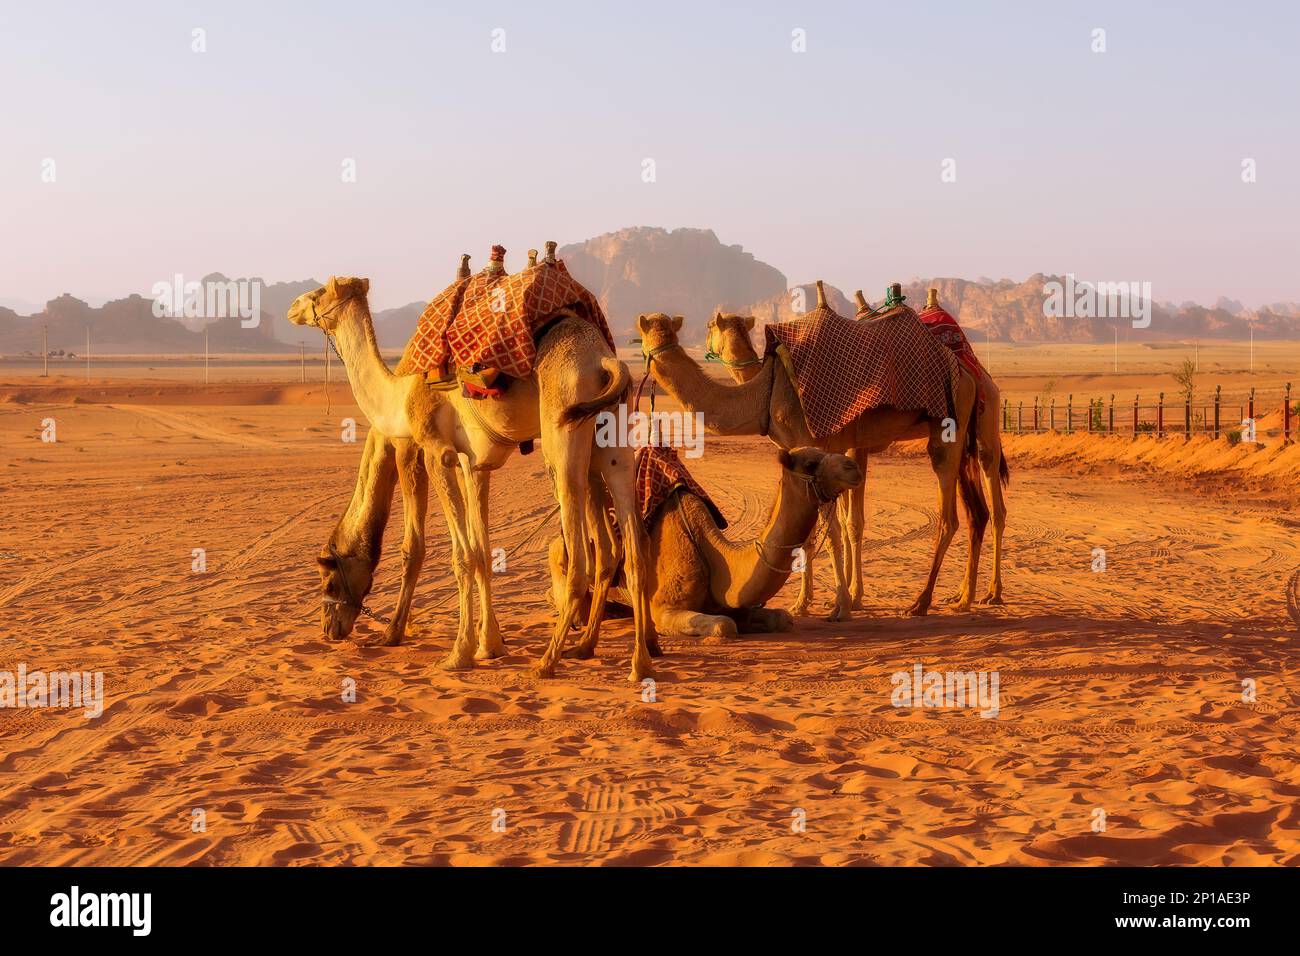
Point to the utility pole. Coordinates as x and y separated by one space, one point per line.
45 349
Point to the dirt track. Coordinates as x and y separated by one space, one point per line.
1120 690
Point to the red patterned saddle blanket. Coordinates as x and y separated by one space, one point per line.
841 367
945 328
491 321
659 473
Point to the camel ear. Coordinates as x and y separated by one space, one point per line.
786 461
327 561
365 286
332 287
677 322
642 323
749 323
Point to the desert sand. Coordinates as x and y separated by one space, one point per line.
1120 690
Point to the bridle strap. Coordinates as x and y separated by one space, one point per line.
352 602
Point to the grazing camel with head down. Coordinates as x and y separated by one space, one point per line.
575 376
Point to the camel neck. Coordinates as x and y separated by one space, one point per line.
380 394
728 409
750 573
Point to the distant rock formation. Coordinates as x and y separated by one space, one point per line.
681 272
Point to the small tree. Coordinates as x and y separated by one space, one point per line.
1185 378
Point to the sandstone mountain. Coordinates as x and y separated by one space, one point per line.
681 272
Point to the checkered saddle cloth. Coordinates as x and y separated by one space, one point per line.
841 368
659 473
491 321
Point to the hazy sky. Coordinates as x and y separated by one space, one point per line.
1122 165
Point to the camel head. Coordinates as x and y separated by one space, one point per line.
729 339
321 306
825 474
658 331
346 580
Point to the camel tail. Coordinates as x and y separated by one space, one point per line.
969 484
620 380
1003 471
971 489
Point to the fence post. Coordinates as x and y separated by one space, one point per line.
1187 419
1020 416
1069 413
1217 390
1035 413
1006 421
1135 416
1160 417
1051 417
1286 415
1112 413
1091 403
1251 413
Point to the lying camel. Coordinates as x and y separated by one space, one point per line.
768 404
704 585
729 339
575 376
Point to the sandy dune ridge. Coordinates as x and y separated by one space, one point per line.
1120 690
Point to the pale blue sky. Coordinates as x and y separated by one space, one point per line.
1117 166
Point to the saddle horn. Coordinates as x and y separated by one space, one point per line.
863 304
932 299
497 261
463 272
550 252
821 295
532 258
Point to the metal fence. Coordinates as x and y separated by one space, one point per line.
1103 416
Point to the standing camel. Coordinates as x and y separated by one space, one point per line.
768 404
729 338
575 376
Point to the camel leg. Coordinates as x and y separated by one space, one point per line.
990 461
604 568
712 628
414 483
490 643
842 610
804 600
568 451
446 480
857 500
763 620
944 459
617 467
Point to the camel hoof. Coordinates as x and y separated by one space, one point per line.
639 674
856 605
544 673
580 652
652 646
715 640
489 653
454 663
799 610
993 599
384 640
917 610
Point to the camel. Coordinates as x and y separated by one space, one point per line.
768 405
704 585
575 376
729 339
